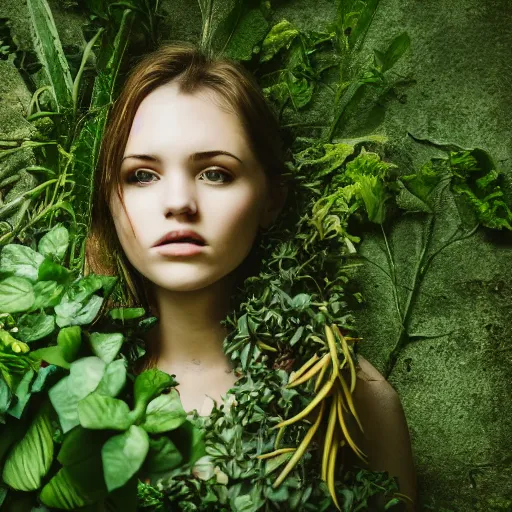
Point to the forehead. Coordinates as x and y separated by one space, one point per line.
168 119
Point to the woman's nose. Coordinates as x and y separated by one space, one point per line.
180 196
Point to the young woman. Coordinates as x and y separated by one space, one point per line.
190 172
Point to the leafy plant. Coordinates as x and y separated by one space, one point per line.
72 384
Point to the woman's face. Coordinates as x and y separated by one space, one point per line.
223 198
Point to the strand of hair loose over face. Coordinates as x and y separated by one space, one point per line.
234 89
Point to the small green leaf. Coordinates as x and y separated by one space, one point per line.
100 412
123 455
55 242
148 385
51 271
16 295
21 261
22 394
164 413
281 35
124 314
106 345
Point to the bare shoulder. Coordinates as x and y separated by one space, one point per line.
386 438
374 382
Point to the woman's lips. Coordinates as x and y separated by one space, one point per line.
179 249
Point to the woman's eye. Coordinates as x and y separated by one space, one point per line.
135 177
225 177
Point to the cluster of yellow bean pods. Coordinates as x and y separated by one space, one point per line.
327 384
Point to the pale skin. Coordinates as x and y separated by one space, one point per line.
225 199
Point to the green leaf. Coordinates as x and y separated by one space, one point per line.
164 413
148 385
100 412
78 445
62 492
190 439
33 327
113 379
54 243
124 314
49 52
77 313
106 345
85 375
31 458
51 271
16 295
69 341
247 33
46 293
22 394
396 49
162 457
21 261
123 455
280 36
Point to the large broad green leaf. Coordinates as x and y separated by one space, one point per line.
148 385
113 379
54 243
101 412
16 295
241 33
123 455
33 327
31 458
46 294
20 260
106 345
77 313
164 413
85 375
162 457
62 492
49 52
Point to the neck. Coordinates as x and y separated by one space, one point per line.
188 337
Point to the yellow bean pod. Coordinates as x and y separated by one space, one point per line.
348 356
344 429
275 452
301 448
329 435
303 368
311 372
332 347
332 472
318 398
321 375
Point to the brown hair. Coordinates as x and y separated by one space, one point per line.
192 70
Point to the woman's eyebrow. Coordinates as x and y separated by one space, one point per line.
202 155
